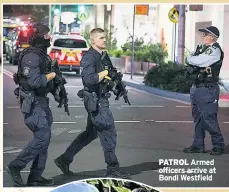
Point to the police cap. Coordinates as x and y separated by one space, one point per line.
212 30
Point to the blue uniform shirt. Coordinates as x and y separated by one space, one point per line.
76 187
30 65
206 59
88 67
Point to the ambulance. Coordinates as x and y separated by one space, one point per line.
68 50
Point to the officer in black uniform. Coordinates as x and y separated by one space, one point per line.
100 121
204 94
34 81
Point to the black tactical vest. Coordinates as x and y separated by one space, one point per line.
213 76
98 69
45 68
215 67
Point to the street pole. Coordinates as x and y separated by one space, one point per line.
132 57
50 17
175 41
66 28
60 18
181 34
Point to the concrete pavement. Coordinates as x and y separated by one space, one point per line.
137 82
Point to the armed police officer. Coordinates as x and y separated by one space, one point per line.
34 82
205 66
100 121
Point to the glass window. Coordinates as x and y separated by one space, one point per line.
70 43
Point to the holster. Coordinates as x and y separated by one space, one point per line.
80 93
27 99
92 100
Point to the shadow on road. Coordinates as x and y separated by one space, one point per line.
133 170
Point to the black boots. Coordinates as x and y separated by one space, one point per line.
39 181
33 180
217 151
64 167
117 173
16 176
193 149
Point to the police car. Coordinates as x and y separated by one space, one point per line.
68 50
18 40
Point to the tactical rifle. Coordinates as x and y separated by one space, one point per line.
60 91
119 89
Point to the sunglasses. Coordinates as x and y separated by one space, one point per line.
204 34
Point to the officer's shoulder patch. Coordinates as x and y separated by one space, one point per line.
215 46
208 51
28 62
26 71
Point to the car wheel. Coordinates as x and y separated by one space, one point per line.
7 57
10 60
14 61
78 72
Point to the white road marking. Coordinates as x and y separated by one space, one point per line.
20 171
8 148
13 107
184 106
64 122
173 121
8 73
70 106
74 86
75 131
153 106
13 151
132 121
58 131
150 120
76 106
79 116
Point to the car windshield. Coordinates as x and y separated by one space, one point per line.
70 43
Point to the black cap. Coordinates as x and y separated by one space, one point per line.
212 30
41 29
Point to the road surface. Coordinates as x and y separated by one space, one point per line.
151 129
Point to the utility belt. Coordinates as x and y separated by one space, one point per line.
39 94
205 78
27 98
92 98
206 85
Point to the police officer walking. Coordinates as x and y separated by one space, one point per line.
204 94
100 121
34 80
